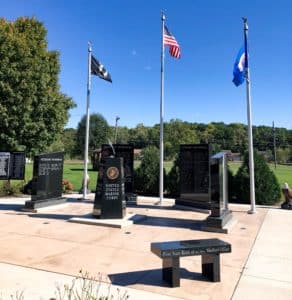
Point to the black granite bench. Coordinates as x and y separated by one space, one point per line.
209 249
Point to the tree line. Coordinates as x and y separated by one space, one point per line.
176 132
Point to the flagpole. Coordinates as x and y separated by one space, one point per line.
87 123
249 119
161 111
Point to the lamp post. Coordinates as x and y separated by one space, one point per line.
116 128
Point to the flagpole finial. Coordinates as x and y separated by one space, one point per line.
162 16
245 23
89 46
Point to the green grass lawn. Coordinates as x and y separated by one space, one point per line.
282 172
73 171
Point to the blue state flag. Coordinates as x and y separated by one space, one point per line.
239 67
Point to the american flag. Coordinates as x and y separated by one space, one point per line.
169 40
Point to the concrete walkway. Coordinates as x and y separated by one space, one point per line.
41 251
268 271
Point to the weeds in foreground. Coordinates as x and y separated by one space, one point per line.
82 287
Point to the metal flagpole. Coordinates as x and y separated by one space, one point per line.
87 123
161 111
250 139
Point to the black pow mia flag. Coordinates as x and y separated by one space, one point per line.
99 70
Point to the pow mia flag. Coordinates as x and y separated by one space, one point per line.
99 70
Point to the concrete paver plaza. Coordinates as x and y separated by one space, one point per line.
40 250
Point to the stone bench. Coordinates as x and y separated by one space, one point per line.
170 253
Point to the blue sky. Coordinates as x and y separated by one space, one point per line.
126 38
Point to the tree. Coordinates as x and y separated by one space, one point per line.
99 133
178 132
32 108
69 142
267 188
138 136
147 175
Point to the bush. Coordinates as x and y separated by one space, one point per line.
67 186
267 188
8 189
146 178
172 180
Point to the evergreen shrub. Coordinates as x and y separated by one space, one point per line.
267 188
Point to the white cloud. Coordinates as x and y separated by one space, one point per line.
134 52
148 68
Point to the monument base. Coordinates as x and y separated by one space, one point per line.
287 204
32 206
131 198
195 203
220 224
99 213
128 220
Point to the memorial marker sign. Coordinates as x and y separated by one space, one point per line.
12 165
109 200
4 165
47 179
194 169
220 214
127 153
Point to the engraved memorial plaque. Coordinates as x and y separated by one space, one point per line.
194 169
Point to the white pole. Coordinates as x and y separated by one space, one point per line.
250 138
161 112
87 123
116 128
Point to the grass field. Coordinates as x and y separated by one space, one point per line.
282 172
73 171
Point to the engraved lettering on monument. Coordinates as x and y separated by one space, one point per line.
127 153
194 175
4 165
47 185
17 165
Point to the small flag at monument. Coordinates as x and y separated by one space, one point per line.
99 70
239 67
169 40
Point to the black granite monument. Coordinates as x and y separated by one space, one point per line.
109 200
4 165
12 165
47 180
194 172
127 153
220 214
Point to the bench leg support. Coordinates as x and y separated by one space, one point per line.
170 271
211 266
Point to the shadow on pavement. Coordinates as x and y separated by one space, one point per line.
151 277
172 222
11 206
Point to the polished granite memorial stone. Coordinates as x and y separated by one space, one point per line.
4 165
125 151
109 200
12 165
47 179
194 173
220 214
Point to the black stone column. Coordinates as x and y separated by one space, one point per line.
110 192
